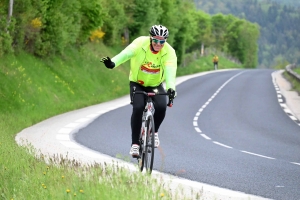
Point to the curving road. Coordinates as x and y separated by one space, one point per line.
226 129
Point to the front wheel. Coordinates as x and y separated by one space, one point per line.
149 151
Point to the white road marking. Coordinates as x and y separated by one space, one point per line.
205 136
65 130
72 125
223 145
280 100
258 155
82 119
282 104
198 129
195 123
70 144
62 137
295 163
93 115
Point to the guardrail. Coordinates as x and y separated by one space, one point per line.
289 69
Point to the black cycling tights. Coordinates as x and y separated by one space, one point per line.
139 102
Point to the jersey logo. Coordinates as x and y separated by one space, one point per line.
150 68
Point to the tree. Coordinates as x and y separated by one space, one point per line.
187 30
145 13
204 32
170 18
115 21
241 41
10 12
220 23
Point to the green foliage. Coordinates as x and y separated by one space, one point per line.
144 14
241 40
5 38
115 21
170 17
48 27
220 23
91 18
289 2
61 26
187 31
295 83
280 64
279 30
203 32
23 13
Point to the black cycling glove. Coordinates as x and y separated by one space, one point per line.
107 62
171 93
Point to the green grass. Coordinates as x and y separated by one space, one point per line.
32 90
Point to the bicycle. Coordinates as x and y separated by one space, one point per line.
146 153
216 65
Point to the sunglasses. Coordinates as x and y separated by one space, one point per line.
156 41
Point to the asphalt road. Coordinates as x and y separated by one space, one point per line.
225 129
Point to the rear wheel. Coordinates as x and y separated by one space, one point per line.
149 151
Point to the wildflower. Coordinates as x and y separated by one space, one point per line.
162 195
44 173
97 34
36 23
74 194
68 190
81 191
62 176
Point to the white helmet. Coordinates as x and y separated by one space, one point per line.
159 30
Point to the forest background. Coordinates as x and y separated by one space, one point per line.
279 22
46 28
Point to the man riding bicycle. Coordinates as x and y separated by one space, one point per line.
152 61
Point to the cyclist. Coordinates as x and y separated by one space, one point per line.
152 61
215 61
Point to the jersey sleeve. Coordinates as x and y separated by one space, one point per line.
170 69
127 53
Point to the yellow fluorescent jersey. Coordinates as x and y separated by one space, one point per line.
147 68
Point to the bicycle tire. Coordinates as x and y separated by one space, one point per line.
141 160
149 151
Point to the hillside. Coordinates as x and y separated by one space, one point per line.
288 2
279 25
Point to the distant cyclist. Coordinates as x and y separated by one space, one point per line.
215 61
152 61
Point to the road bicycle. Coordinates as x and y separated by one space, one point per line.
215 65
147 139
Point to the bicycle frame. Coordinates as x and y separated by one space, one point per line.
148 112
147 131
